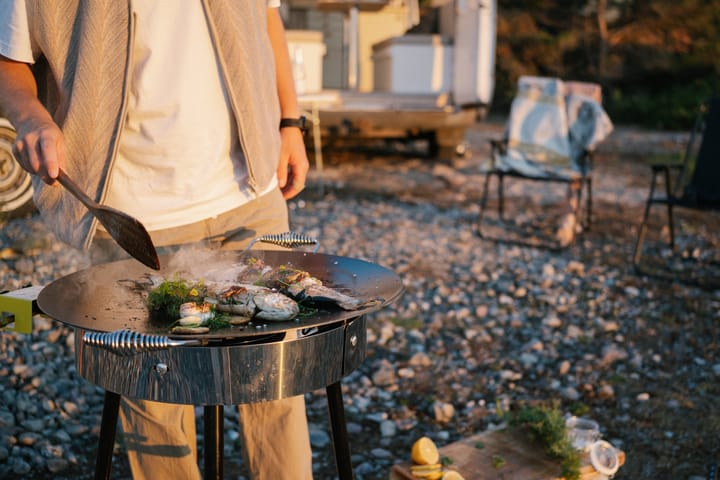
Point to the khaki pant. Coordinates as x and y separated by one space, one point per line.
160 437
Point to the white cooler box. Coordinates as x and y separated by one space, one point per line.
416 64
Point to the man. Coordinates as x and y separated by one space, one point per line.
170 111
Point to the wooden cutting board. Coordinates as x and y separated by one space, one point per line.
479 457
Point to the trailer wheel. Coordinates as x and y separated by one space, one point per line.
16 190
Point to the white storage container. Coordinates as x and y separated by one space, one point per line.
416 63
307 49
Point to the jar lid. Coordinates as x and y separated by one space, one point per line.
604 457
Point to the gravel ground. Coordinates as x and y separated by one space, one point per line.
483 326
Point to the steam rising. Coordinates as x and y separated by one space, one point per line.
211 266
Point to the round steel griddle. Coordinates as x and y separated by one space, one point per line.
100 299
248 364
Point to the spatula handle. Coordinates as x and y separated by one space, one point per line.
73 188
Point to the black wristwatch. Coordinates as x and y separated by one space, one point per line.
300 123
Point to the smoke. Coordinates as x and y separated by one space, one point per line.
211 265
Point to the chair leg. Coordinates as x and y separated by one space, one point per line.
501 196
671 222
576 189
641 235
588 219
643 226
671 225
483 202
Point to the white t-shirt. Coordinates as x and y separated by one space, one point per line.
179 159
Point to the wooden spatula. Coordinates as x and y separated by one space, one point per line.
127 231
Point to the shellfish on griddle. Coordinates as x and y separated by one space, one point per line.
303 287
255 302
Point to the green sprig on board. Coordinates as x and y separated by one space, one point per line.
546 425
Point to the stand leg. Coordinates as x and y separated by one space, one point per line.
108 427
339 431
214 441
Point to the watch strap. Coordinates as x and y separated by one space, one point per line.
300 123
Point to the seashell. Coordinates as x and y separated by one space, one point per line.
201 310
189 330
190 321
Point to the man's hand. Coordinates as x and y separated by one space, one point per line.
39 144
40 149
294 165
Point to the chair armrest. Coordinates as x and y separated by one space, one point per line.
657 167
664 170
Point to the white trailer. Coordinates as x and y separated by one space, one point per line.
429 86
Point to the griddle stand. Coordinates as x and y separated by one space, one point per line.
319 346
214 436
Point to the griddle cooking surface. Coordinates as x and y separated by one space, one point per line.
99 299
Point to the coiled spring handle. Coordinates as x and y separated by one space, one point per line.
128 342
287 240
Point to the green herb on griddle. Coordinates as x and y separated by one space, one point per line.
218 321
164 300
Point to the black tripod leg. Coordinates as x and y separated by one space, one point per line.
339 431
108 427
214 441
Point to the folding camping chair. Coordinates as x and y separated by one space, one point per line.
696 183
550 136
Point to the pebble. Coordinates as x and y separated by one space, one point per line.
564 367
570 393
421 359
381 453
443 412
319 438
28 438
388 428
57 465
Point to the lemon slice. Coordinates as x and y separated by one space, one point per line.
452 475
424 452
427 472
434 475
426 468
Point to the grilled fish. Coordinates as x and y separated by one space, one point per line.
303 287
256 302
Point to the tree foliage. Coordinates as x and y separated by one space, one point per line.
656 59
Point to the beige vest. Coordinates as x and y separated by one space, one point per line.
83 80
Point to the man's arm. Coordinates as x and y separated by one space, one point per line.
39 146
294 164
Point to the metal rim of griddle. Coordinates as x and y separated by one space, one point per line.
97 299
